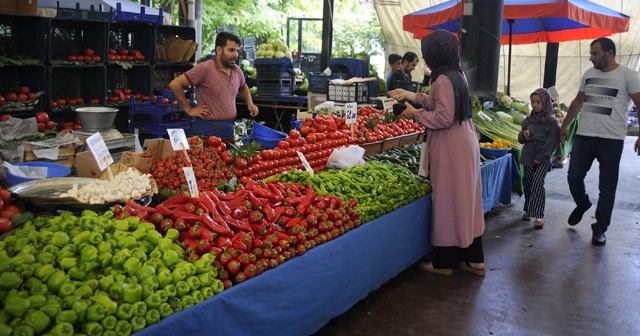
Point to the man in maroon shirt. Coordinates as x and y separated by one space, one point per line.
216 83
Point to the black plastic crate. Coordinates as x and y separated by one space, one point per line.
158 130
164 32
248 54
133 36
319 81
86 82
228 29
163 74
83 15
357 92
270 88
120 16
67 37
248 42
32 76
137 79
23 38
273 74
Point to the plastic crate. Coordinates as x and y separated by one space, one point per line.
163 74
357 92
228 29
23 36
159 130
88 82
248 42
272 88
138 79
319 81
68 37
164 32
248 54
142 17
14 76
314 99
83 15
133 36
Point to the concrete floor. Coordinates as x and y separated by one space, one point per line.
539 282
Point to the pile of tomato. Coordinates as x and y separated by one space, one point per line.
7 211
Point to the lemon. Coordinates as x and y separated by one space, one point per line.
506 144
494 145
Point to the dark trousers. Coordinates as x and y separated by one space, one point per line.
451 256
534 192
608 153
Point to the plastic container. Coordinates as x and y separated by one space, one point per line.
80 15
357 92
142 17
266 132
137 79
133 36
70 37
23 36
54 170
13 77
86 81
495 152
267 142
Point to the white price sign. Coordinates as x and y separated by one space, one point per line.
178 139
305 163
350 113
99 150
191 181
387 104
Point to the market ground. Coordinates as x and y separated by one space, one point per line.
539 282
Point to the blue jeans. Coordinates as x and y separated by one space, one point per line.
608 153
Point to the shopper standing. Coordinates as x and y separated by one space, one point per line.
395 61
401 78
452 158
217 82
603 98
540 138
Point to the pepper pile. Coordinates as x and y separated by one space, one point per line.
96 275
253 229
378 187
407 156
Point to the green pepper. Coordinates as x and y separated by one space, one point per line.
81 237
182 287
197 296
205 279
153 301
116 291
37 301
122 225
193 282
45 258
76 273
68 301
106 282
164 277
67 289
139 233
23 330
155 254
175 303
147 290
62 329
25 270
139 309
145 271
139 252
5 330
22 258
80 307
164 244
153 236
109 322
94 284
44 272
129 242
17 305
138 323
90 265
172 234
96 312
10 280
50 248
88 253
105 246
56 280
163 295
51 309
109 304
187 301
125 311
123 328
83 291
202 265
151 280
92 328
68 263
21 242
38 320
179 274
171 290
217 285
170 258
178 249
118 259
207 292
165 310
132 293
152 316
70 316
131 265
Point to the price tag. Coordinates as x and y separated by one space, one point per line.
178 139
305 163
99 150
484 116
387 104
350 113
191 181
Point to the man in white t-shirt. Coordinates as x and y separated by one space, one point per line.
603 98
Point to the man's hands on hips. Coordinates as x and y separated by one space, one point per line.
253 110
200 111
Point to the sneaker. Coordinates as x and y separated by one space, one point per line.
526 217
576 215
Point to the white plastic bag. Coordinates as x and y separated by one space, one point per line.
346 157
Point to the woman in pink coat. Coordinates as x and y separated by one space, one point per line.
452 158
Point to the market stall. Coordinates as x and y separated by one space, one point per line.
499 177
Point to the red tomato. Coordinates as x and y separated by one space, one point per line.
12 96
22 97
4 117
5 225
1 205
293 134
214 141
112 51
276 154
41 127
71 58
311 138
31 96
2 100
89 52
86 58
283 144
50 125
96 58
240 163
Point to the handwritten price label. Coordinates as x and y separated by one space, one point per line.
99 150
351 113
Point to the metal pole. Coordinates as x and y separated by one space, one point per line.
327 33
510 21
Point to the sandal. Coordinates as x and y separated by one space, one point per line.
428 266
538 223
526 217
465 266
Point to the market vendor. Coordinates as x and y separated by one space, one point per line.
216 82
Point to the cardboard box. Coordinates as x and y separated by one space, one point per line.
136 160
87 166
8 6
28 7
159 148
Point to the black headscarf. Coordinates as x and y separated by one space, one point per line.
441 52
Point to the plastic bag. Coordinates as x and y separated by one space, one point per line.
12 151
346 157
17 128
327 107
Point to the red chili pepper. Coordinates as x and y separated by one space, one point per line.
233 267
282 235
188 217
233 195
143 215
223 208
213 225
165 225
250 184
139 207
240 245
255 202
238 236
216 250
269 213
259 191
193 233
156 218
180 225
258 243
255 216
180 198
223 225
130 211
295 221
292 200
276 193
117 209
288 211
236 224
352 203
278 212
213 196
191 243
333 204
258 228
240 212
222 242
320 205
204 246
205 234
306 201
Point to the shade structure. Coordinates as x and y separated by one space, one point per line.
534 20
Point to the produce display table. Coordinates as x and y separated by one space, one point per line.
304 293
280 106
498 177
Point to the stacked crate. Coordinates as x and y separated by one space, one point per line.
275 77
